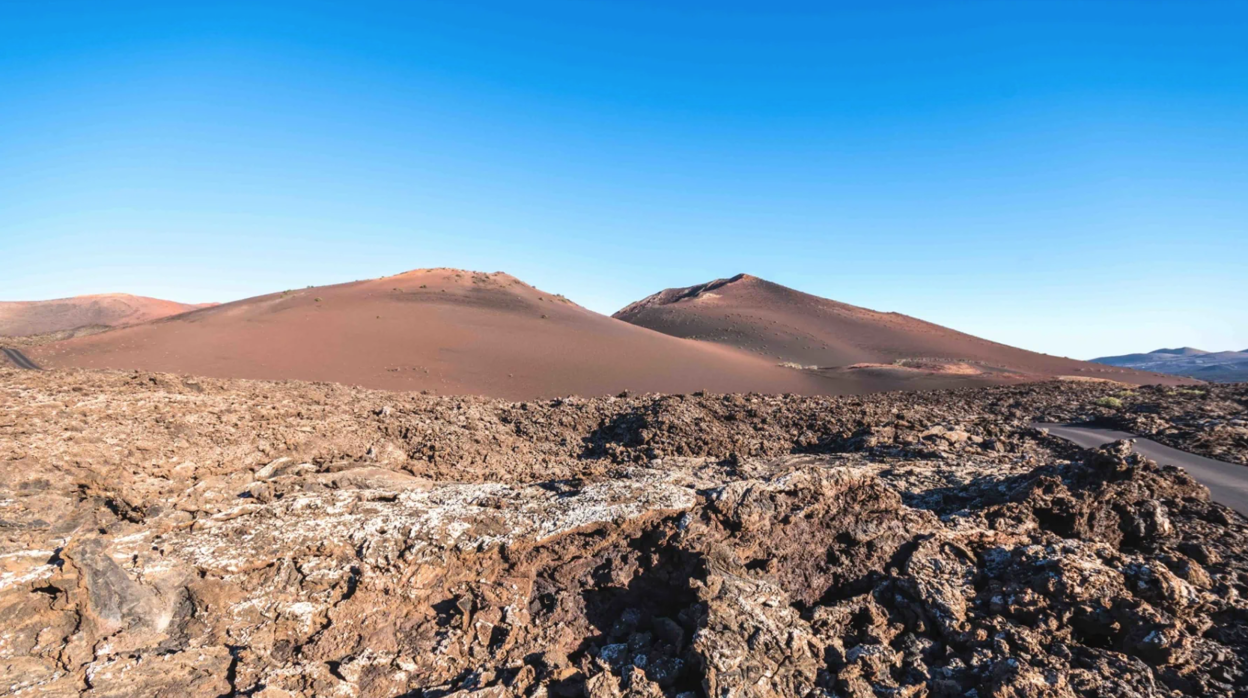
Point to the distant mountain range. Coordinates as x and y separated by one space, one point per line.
1213 366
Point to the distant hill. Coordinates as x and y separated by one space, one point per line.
24 318
824 335
462 332
1181 351
1213 366
446 330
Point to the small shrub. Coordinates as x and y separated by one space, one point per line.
317 299
1111 402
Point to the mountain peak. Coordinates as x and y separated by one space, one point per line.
675 295
1181 351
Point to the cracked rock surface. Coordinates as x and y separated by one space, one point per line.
171 536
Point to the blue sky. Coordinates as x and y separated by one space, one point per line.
1066 177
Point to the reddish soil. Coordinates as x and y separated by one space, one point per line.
23 318
460 332
785 325
445 330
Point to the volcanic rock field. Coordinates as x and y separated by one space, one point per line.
174 536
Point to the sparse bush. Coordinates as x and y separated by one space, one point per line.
800 367
1111 402
317 299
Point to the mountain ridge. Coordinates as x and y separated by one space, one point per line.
1214 366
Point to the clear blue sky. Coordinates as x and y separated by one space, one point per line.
1070 177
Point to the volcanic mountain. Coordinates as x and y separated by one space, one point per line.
460 332
23 318
438 329
833 338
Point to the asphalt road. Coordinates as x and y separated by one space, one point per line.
19 359
1227 482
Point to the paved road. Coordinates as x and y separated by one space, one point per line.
19 359
1227 482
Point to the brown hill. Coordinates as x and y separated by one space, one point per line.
23 318
458 332
834 338
440 329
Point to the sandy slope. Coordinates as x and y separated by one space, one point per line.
787 325
441 329
458 332
113 309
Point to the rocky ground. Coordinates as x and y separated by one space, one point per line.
165 536
1211 420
